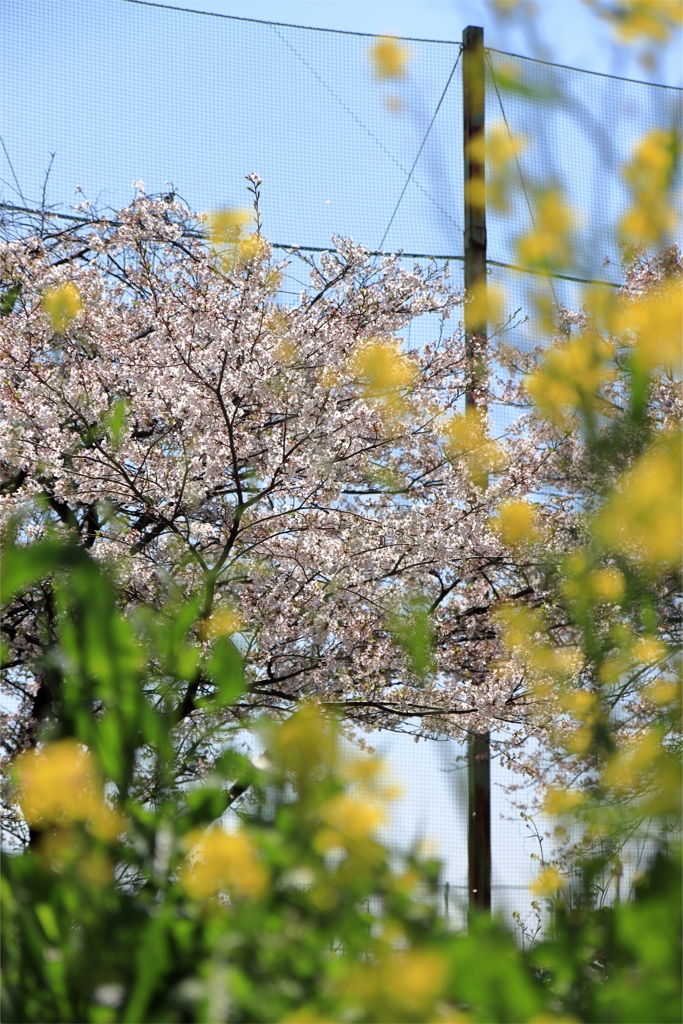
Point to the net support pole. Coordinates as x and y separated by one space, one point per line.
476 326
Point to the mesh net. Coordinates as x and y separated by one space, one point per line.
108 93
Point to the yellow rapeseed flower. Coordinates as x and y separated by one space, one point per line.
548 883
486 304
570 376
389 58
656 321
649 175
663 692
219 862
583 705
467 441
516 521
648 650
644 515
548 243
304 743
653 20
225 226
562 801
607 584
62 305
224 622
408 982
384 372
354 819
630 764
59 784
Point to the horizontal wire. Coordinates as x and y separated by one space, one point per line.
294 247
376 35
289 24
581 71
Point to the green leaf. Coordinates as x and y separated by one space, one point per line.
9 298
227 671
412 628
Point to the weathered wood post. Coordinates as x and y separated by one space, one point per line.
476 326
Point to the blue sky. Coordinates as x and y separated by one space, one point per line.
564 31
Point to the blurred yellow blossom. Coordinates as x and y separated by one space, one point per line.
389 58
467 441
607 584
516 521
226 225
583 705
486 304
548 242
649 649
627 768
383 370
650 176
562 801
639 20
499 149
219 862
62 305
643 517
305 743
580 740
524 633
656 320
549 882
407 981
354 819
59 784
571 376
664 691
229 239
224 622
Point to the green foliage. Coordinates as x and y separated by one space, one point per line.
138 906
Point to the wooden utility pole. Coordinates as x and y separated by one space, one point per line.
476 326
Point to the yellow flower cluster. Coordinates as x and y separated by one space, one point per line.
570 377
224 622
219 862
229 240
587 584
548 243
501 150
643 517
466 441
384 372
487 303
649 176
350 820
515 522
62 305
389 58
548 883
653 20
562 801
406 982
58 784
305 743
656 322
525 634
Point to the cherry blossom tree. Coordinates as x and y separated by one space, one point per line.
299 491
312 486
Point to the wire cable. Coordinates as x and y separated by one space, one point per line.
419 152
521 176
